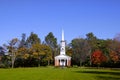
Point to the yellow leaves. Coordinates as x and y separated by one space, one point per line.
40 49
69 52
26 56
35 54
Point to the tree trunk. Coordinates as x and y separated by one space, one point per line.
39 62
48 62
13 59
12 63
90 61
80 63
90 58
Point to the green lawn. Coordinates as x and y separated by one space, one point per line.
52 73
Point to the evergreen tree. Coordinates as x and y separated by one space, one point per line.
51 41
32 39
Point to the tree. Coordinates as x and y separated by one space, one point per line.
114 56
92 41
22 50
80 50
103 46
32 39
48 54
37 52
41 52
21 57
117 44
12 47
117 37
2 51
69 50
2 54
114 52
23 41
98 57
51 41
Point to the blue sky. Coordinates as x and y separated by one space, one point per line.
76 17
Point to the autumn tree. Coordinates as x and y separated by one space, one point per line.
98 57
114 52
41 52
114 56
69 50
20 60
117 40
36 52
48 53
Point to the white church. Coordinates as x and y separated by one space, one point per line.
62 59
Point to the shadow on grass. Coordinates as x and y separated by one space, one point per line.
112 75
100 72
107 78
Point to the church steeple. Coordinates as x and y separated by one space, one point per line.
62 59
62 51
62 35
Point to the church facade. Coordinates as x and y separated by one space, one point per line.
62 59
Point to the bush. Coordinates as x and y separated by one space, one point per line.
75 66
2 65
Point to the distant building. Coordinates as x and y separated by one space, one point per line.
62 59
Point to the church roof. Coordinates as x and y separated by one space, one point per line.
62 57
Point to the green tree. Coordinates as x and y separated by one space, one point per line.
2 51
2 55
51 41
80 50
23 41
92 41
103 46
32 39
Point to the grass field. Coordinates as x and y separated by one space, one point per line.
51 73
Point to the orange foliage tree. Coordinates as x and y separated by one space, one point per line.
98 57
114 56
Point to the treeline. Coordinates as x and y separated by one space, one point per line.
31 52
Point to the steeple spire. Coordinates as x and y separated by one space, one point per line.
62 35
62 51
